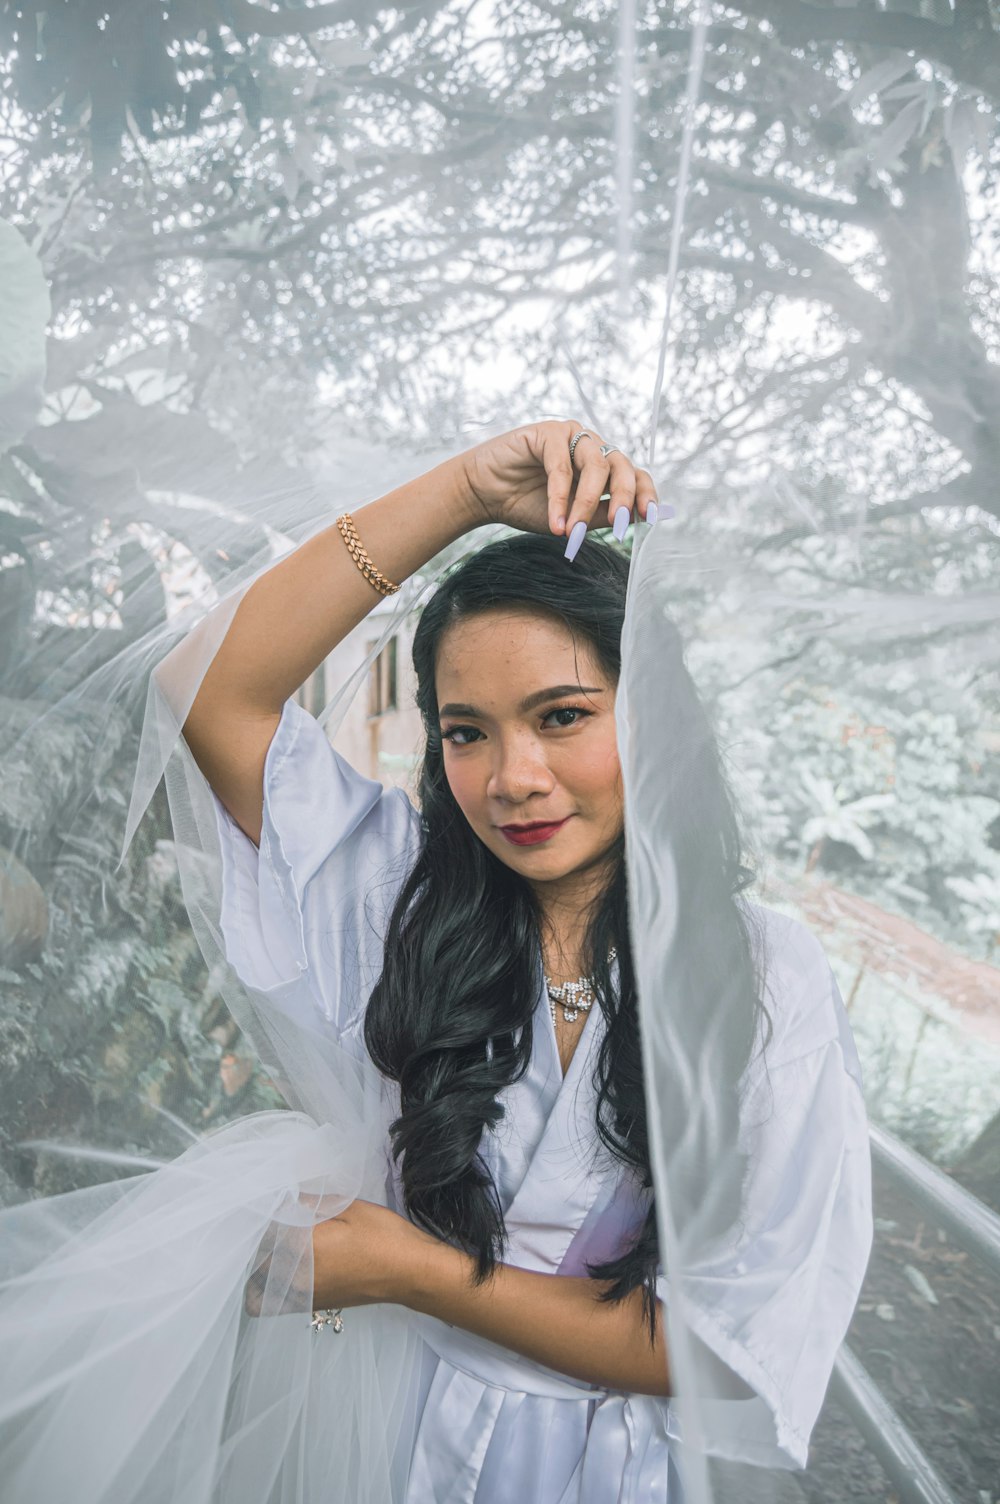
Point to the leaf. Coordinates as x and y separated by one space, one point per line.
917 86
888 147
930 100
881 76
924 89
920 1284
870 801
821 789
289 177
854 835
304 149
25 309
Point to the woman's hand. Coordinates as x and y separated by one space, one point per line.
364 1256
526 480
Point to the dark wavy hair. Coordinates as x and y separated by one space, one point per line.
450 1018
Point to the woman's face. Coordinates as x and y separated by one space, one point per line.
528 726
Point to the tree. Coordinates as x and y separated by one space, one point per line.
832 176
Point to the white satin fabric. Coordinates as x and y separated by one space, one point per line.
772 1301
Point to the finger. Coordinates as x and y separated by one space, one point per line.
645 495
591 484
558 479
593 470
622 493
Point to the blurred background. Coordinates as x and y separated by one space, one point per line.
252 254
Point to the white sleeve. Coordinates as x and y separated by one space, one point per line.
775 1301
311 905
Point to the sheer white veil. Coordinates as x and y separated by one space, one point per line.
130 1367
122 1311
123 1306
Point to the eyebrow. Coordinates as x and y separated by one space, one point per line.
558 692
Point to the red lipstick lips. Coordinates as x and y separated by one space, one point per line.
531 835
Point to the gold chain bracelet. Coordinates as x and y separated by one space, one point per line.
358 553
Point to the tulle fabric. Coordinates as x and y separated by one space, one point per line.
774 1297
132 1369
763 1194
123 1312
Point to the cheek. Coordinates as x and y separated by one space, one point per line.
465 784
596 771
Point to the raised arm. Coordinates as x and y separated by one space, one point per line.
296 613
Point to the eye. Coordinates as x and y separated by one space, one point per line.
576 710
465 736
453 731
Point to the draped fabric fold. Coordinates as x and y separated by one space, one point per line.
760 1158
131 1331
123 1307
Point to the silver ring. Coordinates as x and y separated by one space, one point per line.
607 449
583 434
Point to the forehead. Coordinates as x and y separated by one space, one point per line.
508 652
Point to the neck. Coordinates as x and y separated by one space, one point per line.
563 932
565 908
562 928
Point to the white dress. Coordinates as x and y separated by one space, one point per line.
494 1426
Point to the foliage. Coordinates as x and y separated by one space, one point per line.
902 813
111 1036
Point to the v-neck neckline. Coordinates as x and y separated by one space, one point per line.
564 1076
585 1032
559 1165
584 1038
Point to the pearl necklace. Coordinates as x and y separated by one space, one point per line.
573 998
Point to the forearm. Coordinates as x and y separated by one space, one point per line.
294 615
553 1319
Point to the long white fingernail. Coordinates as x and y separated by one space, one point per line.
576 537
623 517
652 512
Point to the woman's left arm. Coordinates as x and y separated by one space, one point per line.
371 1254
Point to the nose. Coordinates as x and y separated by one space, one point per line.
518 771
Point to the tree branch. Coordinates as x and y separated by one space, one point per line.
739 180
244 15
972 54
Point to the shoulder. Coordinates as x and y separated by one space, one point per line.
316 803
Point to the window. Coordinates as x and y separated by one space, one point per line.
382 680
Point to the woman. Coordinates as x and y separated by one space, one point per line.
520 1228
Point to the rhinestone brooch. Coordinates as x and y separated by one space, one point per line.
320 1319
